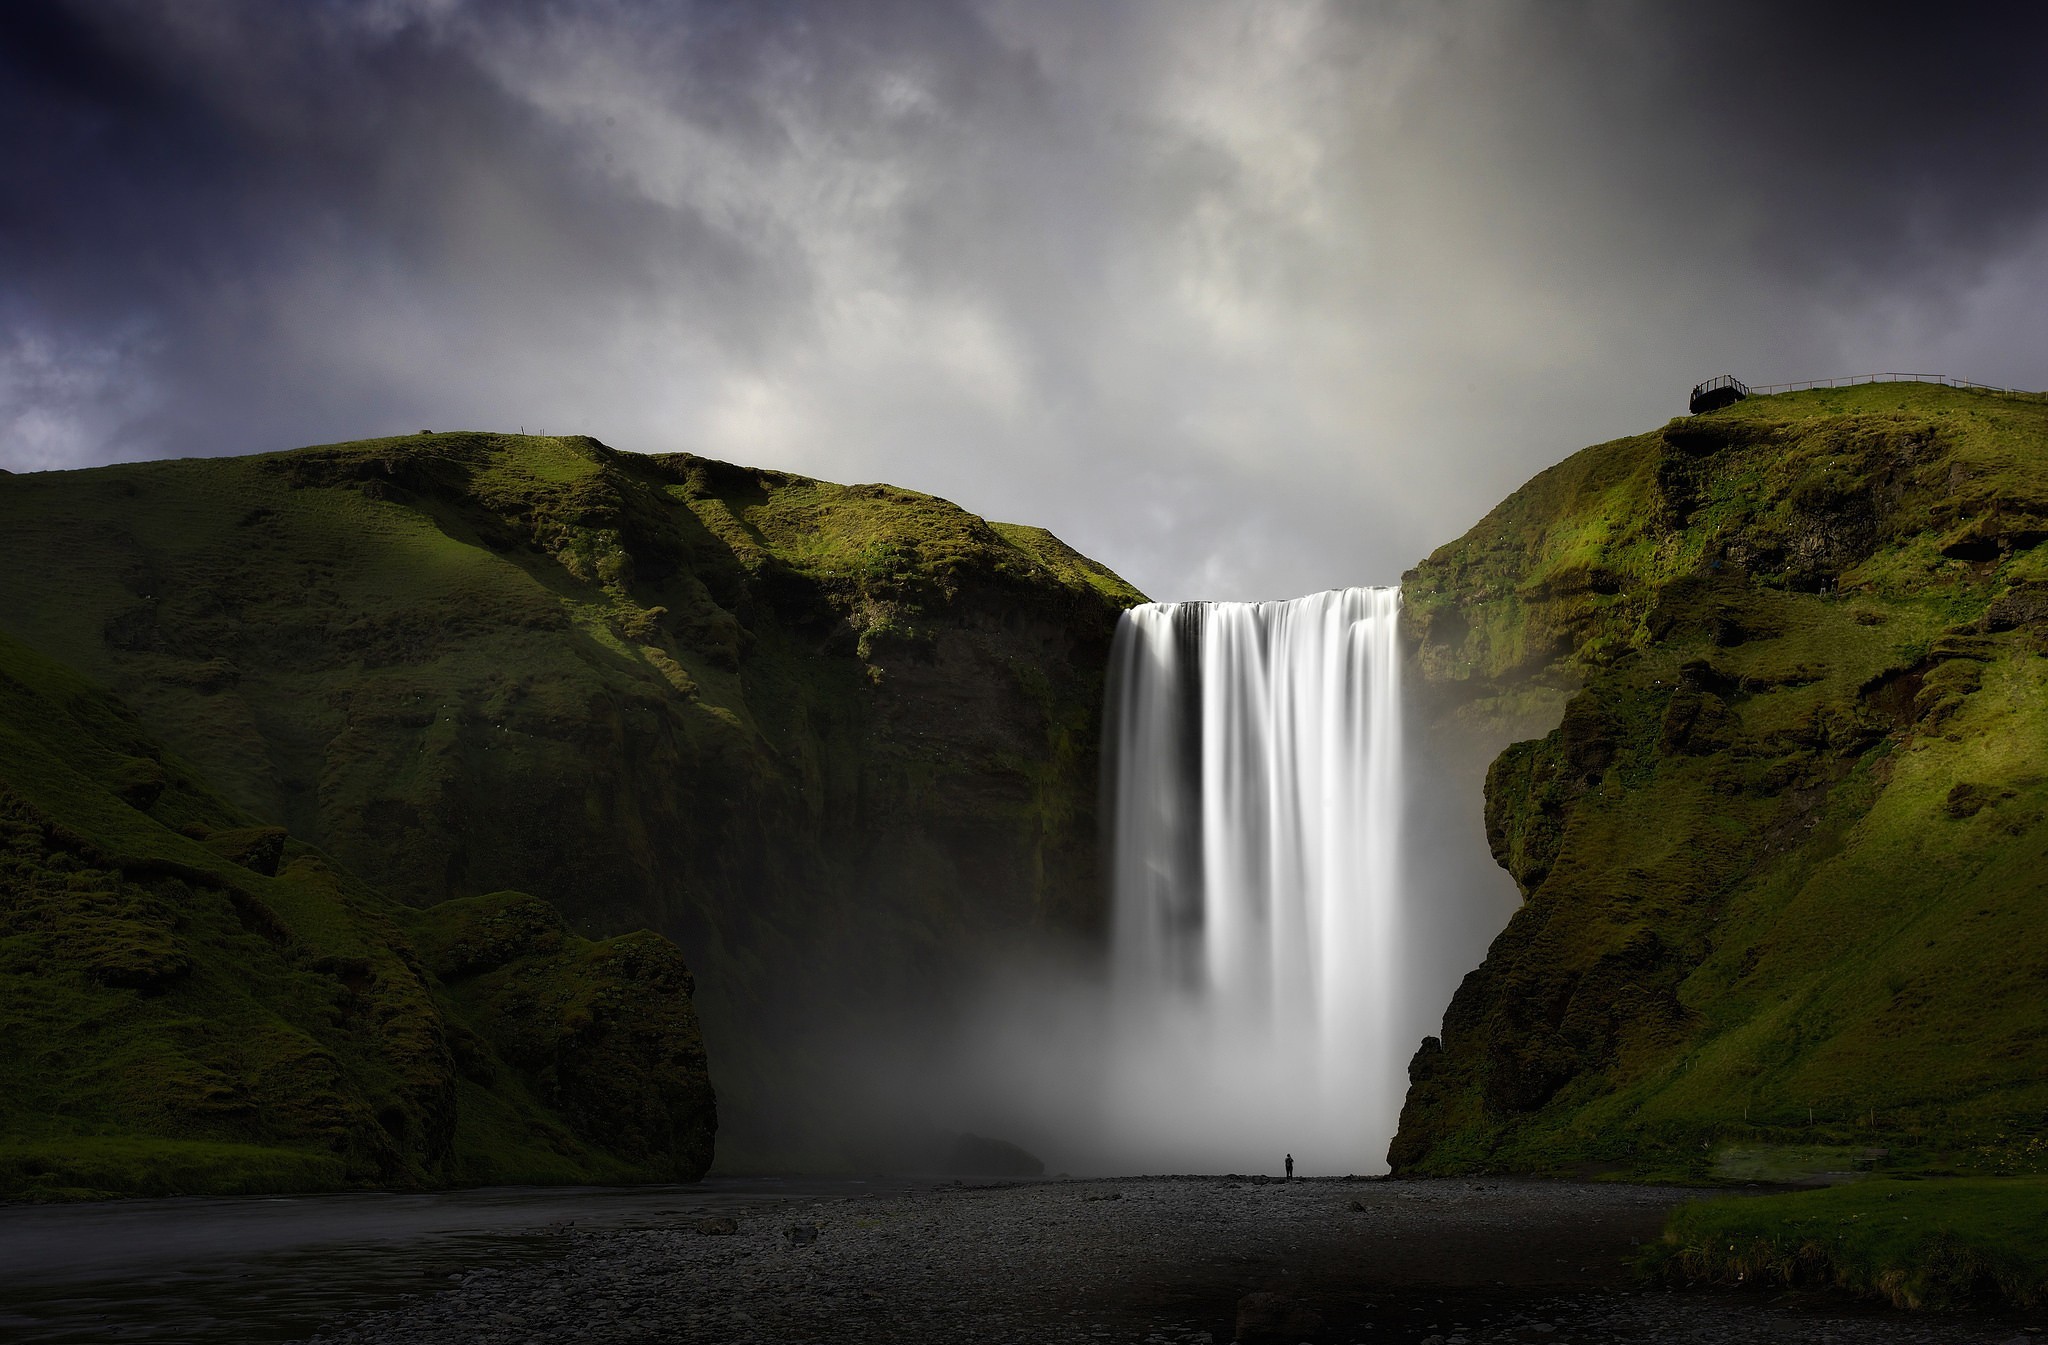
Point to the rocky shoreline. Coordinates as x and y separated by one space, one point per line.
1164 1261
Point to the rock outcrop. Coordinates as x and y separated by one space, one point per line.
193 1004
1781 841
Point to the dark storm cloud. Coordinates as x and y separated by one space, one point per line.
210 185
1244 298
1888 137
1857 140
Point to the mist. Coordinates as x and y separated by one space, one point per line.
1268 972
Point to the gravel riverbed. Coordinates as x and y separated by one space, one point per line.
1163 1261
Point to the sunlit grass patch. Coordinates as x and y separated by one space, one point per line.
1915 1244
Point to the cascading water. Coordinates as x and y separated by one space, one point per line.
1254 783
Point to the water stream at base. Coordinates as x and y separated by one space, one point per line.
1253 758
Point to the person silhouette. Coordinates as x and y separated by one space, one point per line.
1290 1167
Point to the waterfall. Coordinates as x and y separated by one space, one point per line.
1253 779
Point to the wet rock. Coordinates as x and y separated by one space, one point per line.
800 1235
718 1226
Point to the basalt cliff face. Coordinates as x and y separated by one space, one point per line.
828 743
1781 840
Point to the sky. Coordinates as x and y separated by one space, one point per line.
1245 300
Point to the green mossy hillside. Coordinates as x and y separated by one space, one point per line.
831 740
1782 847
193 1004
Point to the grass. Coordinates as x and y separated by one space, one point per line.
1783 848
99 1167
1914 1244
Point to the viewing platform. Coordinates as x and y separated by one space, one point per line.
1716 393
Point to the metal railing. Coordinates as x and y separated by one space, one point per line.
1742 389
1852 380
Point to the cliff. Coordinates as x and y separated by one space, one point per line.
192 1002
1781 842
831 741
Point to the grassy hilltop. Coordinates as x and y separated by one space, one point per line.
1783 854
829 740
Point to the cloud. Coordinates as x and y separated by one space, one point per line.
1245 299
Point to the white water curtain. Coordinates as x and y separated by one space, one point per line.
1254 769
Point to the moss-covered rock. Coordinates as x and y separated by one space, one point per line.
831 740
602 1033
1781 838
191 1004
